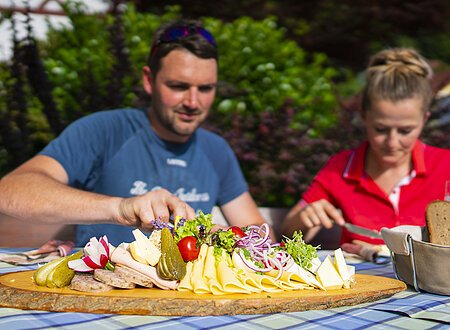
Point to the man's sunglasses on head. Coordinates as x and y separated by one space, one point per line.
177 33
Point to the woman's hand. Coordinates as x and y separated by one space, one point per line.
310 218
159 204
320 213
367 251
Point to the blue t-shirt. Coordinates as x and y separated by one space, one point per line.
117 153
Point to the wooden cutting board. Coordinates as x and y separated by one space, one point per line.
17 290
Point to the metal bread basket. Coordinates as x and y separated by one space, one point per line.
418 263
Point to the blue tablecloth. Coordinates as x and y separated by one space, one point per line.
405 310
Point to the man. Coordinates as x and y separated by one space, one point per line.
122 167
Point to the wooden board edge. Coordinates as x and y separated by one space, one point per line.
55 302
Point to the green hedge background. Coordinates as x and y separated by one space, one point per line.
284 108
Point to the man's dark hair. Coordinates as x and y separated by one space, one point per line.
194 42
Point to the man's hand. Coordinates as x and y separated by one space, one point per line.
158 204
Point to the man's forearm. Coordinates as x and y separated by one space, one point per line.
39 198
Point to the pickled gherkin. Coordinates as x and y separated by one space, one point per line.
171 265
40 275
62 275
57 272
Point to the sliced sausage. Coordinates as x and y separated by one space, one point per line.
133 276
87 283
113 279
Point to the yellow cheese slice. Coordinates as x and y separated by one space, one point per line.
216 288
209 270
185 283
249 282
266 283
197 280
210 273
227 278
290 281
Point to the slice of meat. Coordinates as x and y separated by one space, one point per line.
87 283
113 279
133 276
121 255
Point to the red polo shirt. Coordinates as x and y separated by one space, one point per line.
344 183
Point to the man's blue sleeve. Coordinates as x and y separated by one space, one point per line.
79 147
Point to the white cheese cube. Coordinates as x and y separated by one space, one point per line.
328 275
149 251
305 276
341 267
315 263
351 270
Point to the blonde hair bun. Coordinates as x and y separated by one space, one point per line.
396 74
400 61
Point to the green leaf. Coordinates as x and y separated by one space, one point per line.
301 252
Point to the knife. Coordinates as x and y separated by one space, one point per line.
362 231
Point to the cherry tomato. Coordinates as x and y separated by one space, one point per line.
188 248
282 244
237 231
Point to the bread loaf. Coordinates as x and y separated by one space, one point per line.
438 222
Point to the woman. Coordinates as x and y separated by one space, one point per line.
389 179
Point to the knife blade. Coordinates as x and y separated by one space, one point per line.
362 231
